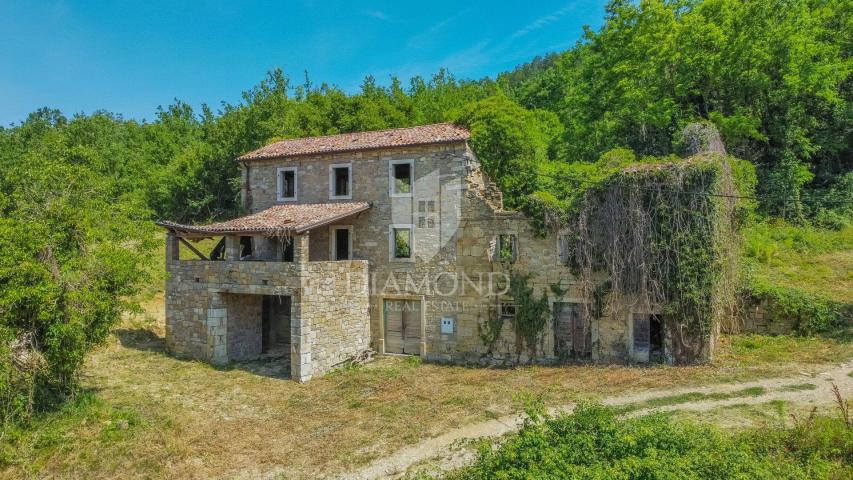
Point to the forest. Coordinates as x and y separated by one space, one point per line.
80 192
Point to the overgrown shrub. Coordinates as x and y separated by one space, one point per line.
71 256
665 235
594 443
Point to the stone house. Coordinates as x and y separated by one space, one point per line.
392 240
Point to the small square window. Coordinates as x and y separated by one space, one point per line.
402 173
508 310
286 183
401 239
340 181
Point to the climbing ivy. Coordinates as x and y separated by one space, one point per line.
528 323
531 314
665 236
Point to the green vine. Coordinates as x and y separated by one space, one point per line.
531 314
529 321
665 237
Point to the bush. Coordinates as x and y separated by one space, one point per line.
594 443
71 257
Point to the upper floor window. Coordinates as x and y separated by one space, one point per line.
286 189
340 181
340 242
506 248
401 242
402 176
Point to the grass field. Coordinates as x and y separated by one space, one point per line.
146 414
814 260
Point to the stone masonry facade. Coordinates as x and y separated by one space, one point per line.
213 309
338 308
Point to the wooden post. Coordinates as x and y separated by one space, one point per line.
191 247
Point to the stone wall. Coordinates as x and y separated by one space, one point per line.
456 215
243 330
197 302
755 318
213 309
334 314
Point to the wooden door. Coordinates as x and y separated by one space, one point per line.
412 327
402 326
581 336
563 314
393 326
572 334
642 332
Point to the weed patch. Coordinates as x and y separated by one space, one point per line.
691 397
593 442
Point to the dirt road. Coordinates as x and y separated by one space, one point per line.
440 451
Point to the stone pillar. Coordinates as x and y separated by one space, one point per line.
217 330
246 192
300 247
172 249
300 342
232 248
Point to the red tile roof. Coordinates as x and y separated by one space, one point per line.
349 142
277 220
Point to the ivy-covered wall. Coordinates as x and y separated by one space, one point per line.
664 235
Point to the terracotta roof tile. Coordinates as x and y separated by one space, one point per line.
277 220
348 142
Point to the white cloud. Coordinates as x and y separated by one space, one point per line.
377 14
542 21
423 38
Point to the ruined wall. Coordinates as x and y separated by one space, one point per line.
755 318
455 214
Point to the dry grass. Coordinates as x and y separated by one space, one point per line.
154 416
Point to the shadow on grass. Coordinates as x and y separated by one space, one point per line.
140 339
273 366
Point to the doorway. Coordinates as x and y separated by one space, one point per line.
656 349
572 335
648 332
402 326
275 326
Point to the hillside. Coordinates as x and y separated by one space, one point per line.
79 194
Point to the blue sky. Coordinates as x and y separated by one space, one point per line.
131 56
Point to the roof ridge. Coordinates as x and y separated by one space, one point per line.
432 133
363 131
